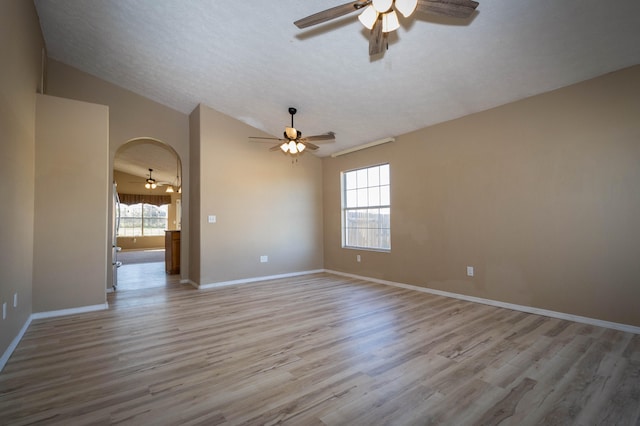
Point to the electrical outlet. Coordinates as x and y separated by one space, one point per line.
212 218
358 258
15 300
264 259
469 271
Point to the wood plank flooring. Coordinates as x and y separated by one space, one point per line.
317 350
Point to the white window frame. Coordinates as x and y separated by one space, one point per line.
142 218
366 208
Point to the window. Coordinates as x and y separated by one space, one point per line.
142 220
366 208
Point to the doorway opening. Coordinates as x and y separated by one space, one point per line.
147 211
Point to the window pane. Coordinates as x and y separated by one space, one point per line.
154 219
350 180
384 174
130 220
374 196
362 197
374 176
385 218
351 200
385 196
362 178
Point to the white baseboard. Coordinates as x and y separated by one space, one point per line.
497 303
14 343
188 281
255 279
70 311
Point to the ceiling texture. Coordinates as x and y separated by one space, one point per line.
246 58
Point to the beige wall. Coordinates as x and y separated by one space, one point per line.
264 204
131 116
541 196
20 50
71 204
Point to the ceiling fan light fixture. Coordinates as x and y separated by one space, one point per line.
291 133
285 147
382 6
293 149
390 22
406 7
368 17
300 146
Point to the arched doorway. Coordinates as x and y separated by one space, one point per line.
148 196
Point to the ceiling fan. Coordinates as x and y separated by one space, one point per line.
151 183
380 16
293 143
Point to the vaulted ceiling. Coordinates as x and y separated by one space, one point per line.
247 59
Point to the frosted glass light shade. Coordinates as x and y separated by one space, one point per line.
292 147
382 5
285 147
368 17
301 146
406 7
390 22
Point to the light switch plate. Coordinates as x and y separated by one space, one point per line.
469 271
211 218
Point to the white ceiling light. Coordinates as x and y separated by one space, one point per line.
406 7
368 17
382 6
390 22
293 148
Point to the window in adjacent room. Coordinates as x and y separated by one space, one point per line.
142 220
366 208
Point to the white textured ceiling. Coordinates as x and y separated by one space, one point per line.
247 59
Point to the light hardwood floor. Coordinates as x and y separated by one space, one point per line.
313 350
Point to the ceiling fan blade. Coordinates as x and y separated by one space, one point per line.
329 14
376 39
275 147
330 136
453 8
311 146
264 139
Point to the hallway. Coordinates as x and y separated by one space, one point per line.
143 269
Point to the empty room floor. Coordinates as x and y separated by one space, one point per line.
317 350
